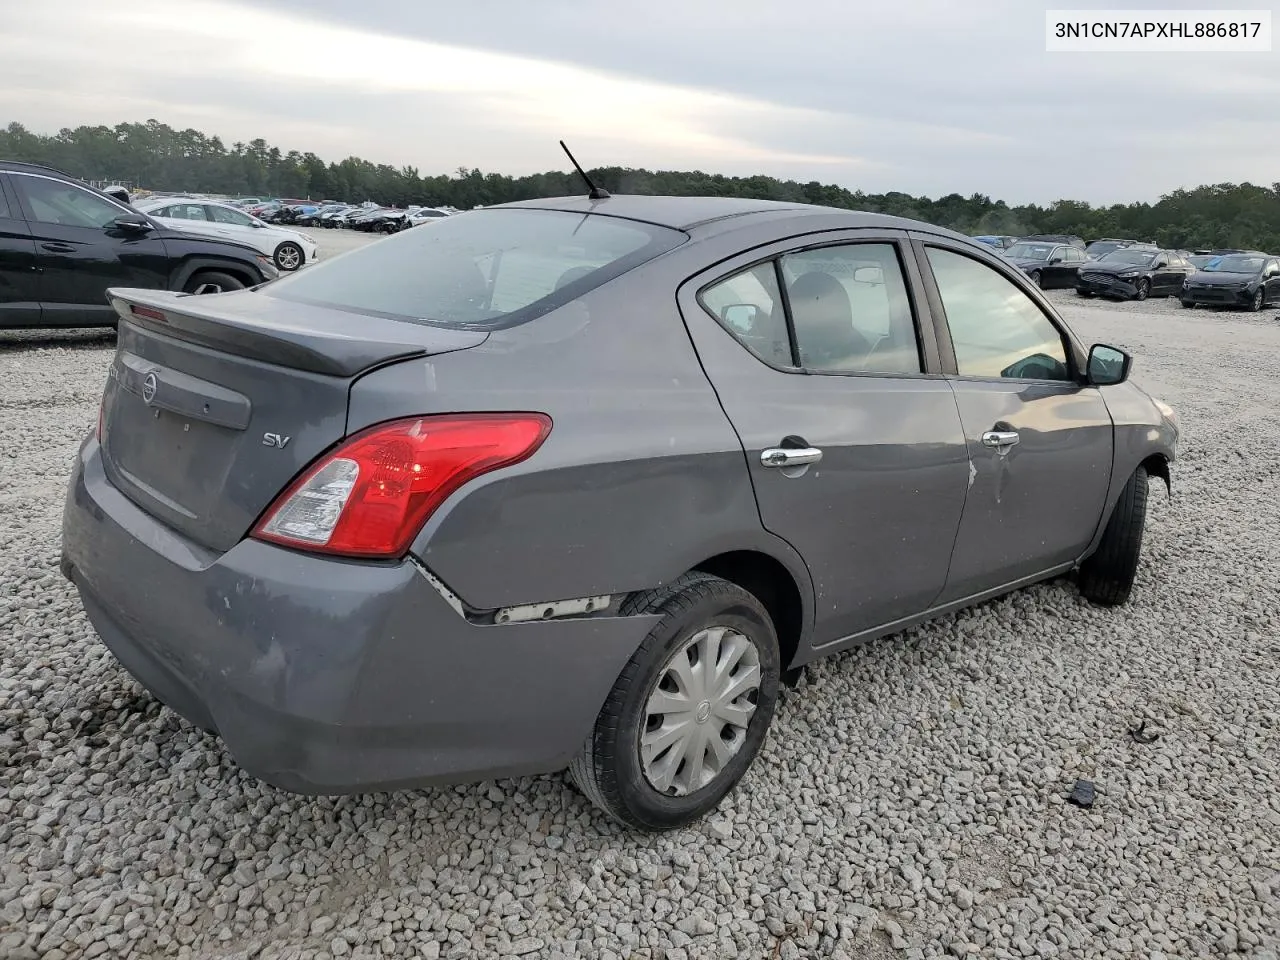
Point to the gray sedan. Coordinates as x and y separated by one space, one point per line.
578 483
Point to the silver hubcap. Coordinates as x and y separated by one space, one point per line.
209 288
697 716
287 258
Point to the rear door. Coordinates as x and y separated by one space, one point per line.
80 254
19 305
851 435
1039 441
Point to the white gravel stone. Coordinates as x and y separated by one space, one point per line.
908 802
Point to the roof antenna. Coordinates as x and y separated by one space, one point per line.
595 192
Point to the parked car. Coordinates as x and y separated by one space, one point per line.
289 249
1134 274
421 215
1100 248
1049 265
1251 281
621 536
999 242
63 243
1069 239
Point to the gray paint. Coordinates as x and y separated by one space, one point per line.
329 675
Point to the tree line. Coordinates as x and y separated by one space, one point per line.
156 156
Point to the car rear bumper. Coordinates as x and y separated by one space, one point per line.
325 676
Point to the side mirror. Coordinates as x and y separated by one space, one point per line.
741 316
1055 260
1160 264
1107 365
131 223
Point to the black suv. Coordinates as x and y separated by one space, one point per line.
63 243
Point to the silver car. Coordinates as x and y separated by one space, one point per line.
578 483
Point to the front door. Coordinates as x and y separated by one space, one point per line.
1039 441
854 447
19 305
81 254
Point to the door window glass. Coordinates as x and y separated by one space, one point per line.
187 211
749 306
996 329
233 217
52 201
4 204
851 311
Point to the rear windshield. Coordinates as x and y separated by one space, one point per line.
486 268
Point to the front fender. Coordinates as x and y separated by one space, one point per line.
1142 436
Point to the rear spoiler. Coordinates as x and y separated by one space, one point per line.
296 335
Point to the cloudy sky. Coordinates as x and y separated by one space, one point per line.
924 96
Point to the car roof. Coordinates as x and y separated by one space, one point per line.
687 213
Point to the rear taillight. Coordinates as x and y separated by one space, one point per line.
371 495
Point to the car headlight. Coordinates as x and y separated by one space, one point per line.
1128 274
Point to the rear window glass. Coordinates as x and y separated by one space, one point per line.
482 268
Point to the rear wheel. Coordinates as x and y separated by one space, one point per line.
690 710
212 281
1106 577
289 256
1188 304
1144 289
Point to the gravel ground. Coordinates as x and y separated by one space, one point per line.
910 801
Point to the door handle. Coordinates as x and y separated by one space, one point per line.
789 457
1000 439
58 247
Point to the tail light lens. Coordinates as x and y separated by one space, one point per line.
371 495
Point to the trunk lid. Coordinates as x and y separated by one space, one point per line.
214 403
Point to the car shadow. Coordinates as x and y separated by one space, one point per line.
91 338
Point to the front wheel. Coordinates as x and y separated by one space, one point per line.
1189 305
1084 293
1256 304
690 710
212 281
289 256
1037 279
1144 289
1106 577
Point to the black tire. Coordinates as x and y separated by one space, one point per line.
1144 290
1106 577
1036 278
1258 301
1084 293
608 770
213 281
1187 304
289 257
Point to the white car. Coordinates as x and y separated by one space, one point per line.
289 249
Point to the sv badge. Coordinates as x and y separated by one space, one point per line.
275 440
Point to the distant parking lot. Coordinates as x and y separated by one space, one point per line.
909 802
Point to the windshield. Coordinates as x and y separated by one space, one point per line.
1235 264
1139 258
483 268
1102 248
1030 251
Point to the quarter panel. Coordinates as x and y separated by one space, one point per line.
641 478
